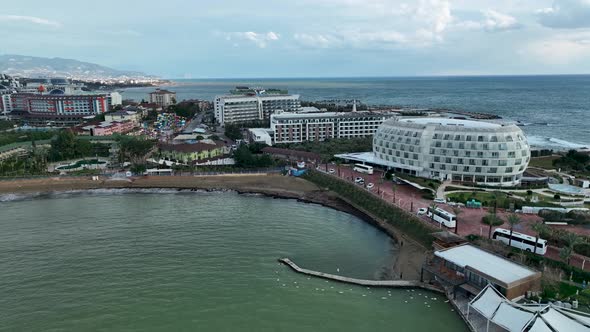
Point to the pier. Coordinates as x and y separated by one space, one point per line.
361 282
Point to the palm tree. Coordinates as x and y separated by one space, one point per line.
393 189
539 229
566 252
457 211
432 208
491 219
513 220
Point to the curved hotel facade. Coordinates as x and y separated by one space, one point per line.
450 149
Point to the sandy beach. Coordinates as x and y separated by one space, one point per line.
410 255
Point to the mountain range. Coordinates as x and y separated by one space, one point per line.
34 67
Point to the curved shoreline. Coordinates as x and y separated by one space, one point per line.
408 259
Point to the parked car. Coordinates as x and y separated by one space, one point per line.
370 186
331 171
440 200
422 211
358 179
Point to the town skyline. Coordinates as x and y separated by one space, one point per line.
328 38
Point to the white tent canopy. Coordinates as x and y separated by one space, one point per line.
514 317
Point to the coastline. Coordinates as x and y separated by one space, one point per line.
409 255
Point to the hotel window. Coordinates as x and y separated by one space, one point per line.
492 170
502 163
437 159
461 145
465 168
486 146
523 153
449 145
503 146
478 170
508 169
443 166
460 161
480 154
415 156
495 154
471 161
457 138
448 160
456 153
454 168
467 153
509 139
432 151
435 136
494 139
484 162
511 154
480 138
446 138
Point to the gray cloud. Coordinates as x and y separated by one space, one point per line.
566 14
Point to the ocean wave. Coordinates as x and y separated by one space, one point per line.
554 143
108 191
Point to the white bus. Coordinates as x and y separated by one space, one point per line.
520 241
363 168
443 217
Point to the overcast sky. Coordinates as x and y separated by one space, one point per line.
306 38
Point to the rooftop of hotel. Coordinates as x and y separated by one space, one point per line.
485 262
162 92
453 122
291 115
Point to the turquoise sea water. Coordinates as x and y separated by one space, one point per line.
197 262
555 109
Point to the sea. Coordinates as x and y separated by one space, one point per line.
554 110
167 260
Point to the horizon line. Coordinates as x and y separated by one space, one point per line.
370 76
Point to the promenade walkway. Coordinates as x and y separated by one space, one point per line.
361 282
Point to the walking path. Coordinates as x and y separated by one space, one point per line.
361 282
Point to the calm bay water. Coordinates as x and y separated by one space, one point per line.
197 262
555 109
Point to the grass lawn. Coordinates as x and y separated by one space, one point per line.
543 162
428 183
481 196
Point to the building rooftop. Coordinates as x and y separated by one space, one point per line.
162 92
485 262
453 122
291 115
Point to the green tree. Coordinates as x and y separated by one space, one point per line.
233 131
432 208
492 220
134 149
539 228
513 220
566 252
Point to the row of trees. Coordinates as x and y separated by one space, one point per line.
328 148
67 146
248 156
393 215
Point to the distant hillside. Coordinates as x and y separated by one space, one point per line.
29 66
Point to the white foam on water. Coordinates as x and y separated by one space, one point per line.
554 143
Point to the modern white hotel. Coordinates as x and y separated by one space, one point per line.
245 104
301 127
487 153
